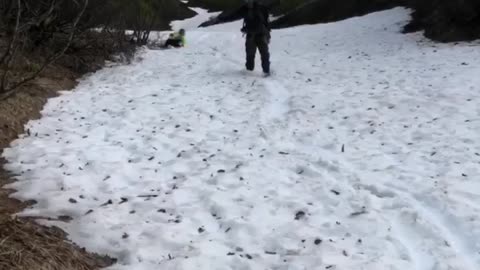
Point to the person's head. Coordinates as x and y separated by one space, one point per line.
182 32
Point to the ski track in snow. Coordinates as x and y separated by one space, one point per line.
277 104
360 152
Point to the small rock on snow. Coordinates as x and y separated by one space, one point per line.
299 215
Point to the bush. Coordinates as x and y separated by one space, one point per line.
54 30
146 14
446 21
28 24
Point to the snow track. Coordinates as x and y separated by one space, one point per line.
360 152
277 102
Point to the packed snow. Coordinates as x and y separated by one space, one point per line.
360 152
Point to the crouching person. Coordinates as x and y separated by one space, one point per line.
176 39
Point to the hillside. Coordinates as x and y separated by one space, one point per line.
323 11
443 21
446 21
279 7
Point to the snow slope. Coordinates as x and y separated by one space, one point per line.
361 152
192 23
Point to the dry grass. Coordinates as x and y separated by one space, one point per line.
26 246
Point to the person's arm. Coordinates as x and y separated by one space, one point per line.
266 15
227 17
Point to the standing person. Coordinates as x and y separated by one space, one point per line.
256 27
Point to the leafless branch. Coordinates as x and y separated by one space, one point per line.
8 56
8 91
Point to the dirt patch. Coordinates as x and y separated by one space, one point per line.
25 245
8 206
16 111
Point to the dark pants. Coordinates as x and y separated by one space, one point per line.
259 41
173 42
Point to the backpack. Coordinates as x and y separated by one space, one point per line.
256 21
